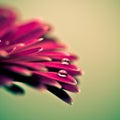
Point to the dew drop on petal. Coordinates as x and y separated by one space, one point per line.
40 39
41 49
65 61
7 42
62 73
21 44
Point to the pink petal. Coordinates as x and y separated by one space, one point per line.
31 65
28 58
71 88
20 70
29 30
5 80
13 48
30 51
53 75
50 82
5 39
7 18
70 68
41 43
49 44
57 55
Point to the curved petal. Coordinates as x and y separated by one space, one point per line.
70 68
30 55
5 80
29 30
7 18
19 70
71 88
28 58
50 44
50 82
30 51
60 94
30 65
53 75
58 55
42 43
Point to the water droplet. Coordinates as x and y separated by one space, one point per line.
41 49
0 41
65 61
62 73
40 39
7 42
21 44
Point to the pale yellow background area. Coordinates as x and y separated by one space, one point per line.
91 29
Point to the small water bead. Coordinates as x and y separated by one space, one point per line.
40 50
40 39
7 42
21 44
62 73
65 61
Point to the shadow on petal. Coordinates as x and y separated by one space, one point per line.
60 94
15 89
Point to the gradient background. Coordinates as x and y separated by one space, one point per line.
91 29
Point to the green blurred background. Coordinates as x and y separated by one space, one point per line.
91 29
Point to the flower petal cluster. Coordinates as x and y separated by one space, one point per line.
28 54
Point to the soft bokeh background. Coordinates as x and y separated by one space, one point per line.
91 29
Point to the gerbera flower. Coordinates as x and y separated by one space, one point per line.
28 54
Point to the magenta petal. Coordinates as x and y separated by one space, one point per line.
55 76
29 65
30 51
31 30
71 88
70 68
20 70
58 55
5 80
7 18
5 39
45 45
13 48
50 82
25 48
30 55
29 58
49 44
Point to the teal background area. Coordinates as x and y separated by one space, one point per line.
91 28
